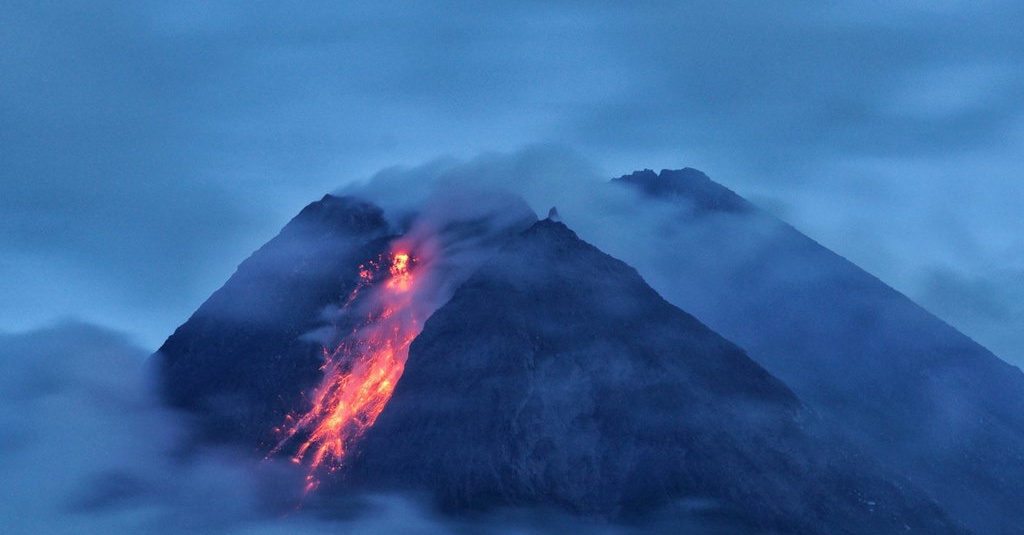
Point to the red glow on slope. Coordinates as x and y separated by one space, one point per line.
360 373
400 279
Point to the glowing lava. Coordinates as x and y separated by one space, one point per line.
359 375
400 279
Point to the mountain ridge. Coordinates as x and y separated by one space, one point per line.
908 387
226 362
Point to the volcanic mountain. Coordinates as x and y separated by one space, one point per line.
926 400
551 375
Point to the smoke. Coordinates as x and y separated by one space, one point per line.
461 212
452 217
671 248
645 234
457 229
706 262
448 231
783 298
682 252
542 176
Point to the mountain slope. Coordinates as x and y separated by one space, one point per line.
240 363
556 376
927 400
250 357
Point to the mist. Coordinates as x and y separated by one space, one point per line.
650 235
149 147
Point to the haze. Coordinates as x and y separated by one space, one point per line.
149 146
146 148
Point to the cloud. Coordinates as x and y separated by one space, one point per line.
926 232
148 149
104 209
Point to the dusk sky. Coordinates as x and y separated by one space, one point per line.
146 148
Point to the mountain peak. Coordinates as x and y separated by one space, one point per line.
553 228
344 213
260 314
688 184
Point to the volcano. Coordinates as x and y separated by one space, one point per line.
547 374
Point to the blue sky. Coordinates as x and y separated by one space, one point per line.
147 147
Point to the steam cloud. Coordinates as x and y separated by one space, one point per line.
644 234
656 240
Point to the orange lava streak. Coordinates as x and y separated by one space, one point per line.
359 374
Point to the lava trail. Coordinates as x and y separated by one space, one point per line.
360 372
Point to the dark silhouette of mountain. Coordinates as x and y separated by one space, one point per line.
555 376
691 186
903 385
251 354
240 363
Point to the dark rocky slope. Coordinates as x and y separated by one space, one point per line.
240 362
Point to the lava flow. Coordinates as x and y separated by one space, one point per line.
360 373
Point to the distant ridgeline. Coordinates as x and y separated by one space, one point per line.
808 397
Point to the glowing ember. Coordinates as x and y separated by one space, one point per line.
359 374
400 279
